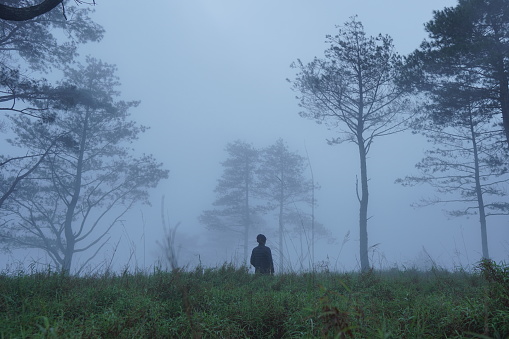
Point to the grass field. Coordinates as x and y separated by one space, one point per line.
228 302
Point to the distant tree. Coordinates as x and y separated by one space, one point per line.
467 158
27 51
305 230
471 37
234 208
81 190
26 10
282 184
353 90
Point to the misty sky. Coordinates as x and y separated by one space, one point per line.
212 71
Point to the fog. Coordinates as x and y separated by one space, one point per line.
210 72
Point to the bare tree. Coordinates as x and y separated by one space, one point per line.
352 90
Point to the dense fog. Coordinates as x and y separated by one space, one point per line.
208 73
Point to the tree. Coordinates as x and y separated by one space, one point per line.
474 37
352 90
37 44
16 13
81 190
282 184
466 158
28 50
234 210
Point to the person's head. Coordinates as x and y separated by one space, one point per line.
261 239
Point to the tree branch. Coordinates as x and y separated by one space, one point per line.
27 13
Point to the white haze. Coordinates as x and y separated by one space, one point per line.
208 72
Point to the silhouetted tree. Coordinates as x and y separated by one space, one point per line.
471 37
37 44
282 184
234 209
89 180
352 90
467 158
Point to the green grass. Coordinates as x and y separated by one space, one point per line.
228 302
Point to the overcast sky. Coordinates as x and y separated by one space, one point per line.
212 71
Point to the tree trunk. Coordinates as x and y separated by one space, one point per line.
312 219
70 237
247 220
480 200
363 199
363 210
504 103
281 256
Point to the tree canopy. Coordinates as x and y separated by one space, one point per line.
470 38
30 49
89 179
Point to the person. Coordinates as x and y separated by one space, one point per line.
261 257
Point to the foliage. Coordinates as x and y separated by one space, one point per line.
235 210
28 50
259 181
282 185
459 75
466 164
89 180
229 302
44 45
471 38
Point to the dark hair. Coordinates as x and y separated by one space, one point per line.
261 239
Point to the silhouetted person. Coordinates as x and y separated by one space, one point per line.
261 257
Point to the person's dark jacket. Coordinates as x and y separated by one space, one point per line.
261 259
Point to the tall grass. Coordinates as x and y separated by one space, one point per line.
228 302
